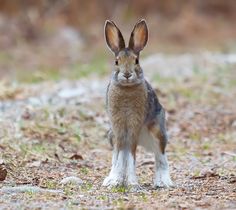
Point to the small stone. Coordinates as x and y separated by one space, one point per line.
71 92
71 180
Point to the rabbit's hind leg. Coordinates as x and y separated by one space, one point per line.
162 175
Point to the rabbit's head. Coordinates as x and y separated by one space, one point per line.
127 71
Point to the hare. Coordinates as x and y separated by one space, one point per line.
135 114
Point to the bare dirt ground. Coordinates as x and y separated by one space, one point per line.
53 130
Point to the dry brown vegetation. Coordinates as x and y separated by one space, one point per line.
174 24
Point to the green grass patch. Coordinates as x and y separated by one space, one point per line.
84 170
42 74
86 187
50 184
97 66
119 189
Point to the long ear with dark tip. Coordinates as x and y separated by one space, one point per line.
139 36
114 38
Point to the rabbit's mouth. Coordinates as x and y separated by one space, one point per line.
129 82
122 80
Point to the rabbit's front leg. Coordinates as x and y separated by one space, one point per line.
131 178
123 165
117 173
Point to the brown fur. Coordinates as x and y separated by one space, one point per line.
126 109
156 132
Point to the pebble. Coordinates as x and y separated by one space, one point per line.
71 180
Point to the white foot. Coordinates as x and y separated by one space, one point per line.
123 171
132 181
113 181
131 178
163 179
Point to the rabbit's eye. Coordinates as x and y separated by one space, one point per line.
116 62
136 61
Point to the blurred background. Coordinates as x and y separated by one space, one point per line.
50 39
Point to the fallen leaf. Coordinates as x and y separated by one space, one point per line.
3 172
206 175
232 180
76 157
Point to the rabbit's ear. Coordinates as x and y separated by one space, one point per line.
139 36
114 38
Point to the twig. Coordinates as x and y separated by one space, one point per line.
229 153
27 188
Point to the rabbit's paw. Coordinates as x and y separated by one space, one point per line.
163 179
112 181
132 181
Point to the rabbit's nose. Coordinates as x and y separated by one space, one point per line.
127 75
